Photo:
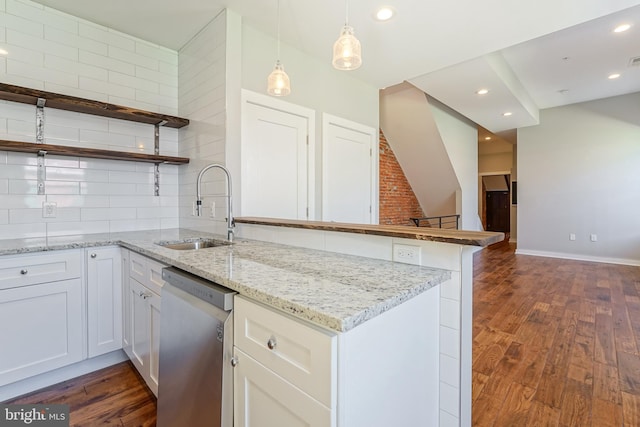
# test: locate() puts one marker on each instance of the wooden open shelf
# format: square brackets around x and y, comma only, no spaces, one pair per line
[87,106]
[28,147]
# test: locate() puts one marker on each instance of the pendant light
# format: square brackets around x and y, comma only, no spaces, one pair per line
[278,81]
[347,53]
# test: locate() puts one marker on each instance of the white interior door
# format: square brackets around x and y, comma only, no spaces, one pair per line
[276,157]
[349,171]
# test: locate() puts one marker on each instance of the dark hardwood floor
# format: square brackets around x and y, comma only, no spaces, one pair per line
[114,396]
[556,343]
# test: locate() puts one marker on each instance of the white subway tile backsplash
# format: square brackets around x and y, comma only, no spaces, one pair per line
[77,227]
[106,62]
[21,80]
[132,58]
[42,45]
[120,40]
[75,91]
[132,82]
[4,216]
[40,73]
[76,174]
[4,186]
[26,55]
[81,201]
[156,52]
[62,64]
[100,214]
[101,188]
[23,186]
[21,24]
[29,216]
[23,171]
[22,201]
[23,231]
[105,87]
[38,13]
[162,76]
[64,37]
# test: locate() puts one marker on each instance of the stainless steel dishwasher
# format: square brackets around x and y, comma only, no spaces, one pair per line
[196,344]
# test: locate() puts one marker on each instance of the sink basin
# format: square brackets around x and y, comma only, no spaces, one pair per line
[191,245]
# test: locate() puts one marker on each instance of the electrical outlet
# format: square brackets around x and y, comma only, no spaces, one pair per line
[49,209]
[409,254]
[594,237]
[213,210]
[572,236]
[194,212]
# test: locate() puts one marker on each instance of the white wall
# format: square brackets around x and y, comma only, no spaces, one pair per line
[460,138]
[409,125]
[53,51]
[315,84]
[202,99]
[579,172]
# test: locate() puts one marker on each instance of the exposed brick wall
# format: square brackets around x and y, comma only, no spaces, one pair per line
[398,202]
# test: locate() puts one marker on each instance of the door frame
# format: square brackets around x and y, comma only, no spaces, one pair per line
[481,196]
[250,97]
[330,120]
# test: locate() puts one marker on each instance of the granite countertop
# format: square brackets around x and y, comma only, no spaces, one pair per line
[333,290]
[459,237]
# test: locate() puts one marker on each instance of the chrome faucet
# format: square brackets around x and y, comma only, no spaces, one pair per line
[230,222]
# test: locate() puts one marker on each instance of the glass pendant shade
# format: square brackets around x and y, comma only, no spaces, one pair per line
[347,53]
[278,81]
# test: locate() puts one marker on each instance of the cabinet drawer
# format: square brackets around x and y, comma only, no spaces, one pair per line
[146,271]
[40,267]
[302,354]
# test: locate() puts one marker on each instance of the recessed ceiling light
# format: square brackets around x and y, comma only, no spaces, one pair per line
[563,91]
[482,91]
[622,28]
[3,52]
[507,114]
[385,13]
[487,138]
[613,76]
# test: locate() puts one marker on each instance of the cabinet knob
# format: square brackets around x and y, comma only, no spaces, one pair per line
[24,271]
[144,295]
[93,255]
[234,361]
[271,343]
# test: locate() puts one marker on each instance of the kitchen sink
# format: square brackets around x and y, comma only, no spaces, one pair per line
[190,245]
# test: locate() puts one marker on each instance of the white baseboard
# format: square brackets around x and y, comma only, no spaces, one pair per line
[579,257]
[59,375]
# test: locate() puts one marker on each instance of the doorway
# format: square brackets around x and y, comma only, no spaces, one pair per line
[497,204]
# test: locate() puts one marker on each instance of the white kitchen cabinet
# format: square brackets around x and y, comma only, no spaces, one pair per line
[265,399]
[126,302]
[384,372]
[42,321]
[104,300]
[286,370]
[143,316]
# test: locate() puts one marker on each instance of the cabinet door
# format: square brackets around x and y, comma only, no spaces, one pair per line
[264,399]
[139,326]
[42,328]
[126,304]
[154,341]
[104,297]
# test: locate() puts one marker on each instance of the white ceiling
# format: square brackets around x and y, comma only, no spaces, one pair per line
[447,48]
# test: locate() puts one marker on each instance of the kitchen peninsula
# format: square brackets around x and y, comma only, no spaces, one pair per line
[402,345]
